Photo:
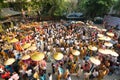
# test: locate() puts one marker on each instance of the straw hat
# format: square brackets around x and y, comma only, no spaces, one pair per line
[58,56]
[95,60]
[37,56]
[9,61]
[75,52]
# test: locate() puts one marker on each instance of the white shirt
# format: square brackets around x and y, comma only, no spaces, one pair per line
[69,78]
[50,77]
[29,72]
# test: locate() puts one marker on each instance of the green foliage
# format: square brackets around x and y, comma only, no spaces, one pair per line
[97,7]
[117,5]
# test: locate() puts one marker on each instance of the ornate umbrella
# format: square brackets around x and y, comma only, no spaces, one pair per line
[103,29]
[100,35]
[108,44]
[105,38]
[110,34]
[37,56]
[113,53]
[93,48]
[26,45]
[25,57]
[95,60]
[58,56]
[9,61]
[75,52]
[105,51]
[32,48]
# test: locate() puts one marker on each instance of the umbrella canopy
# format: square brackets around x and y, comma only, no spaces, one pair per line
[105,38]
[9,61]
[110,34]
[14,40]
[58,56]
[32,48]
[105,51]
[108,44]
[75,52]
[26,45]
[95,60]
[93,48]
[113,53]
[25,57]
[37,56]
[103,30]
[100,35]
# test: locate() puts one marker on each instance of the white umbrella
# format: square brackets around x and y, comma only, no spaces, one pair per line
[108,44]
[76,52]
[93,48]
[95,60]
[9,61]
[100,35]
[113,53]
[110,34]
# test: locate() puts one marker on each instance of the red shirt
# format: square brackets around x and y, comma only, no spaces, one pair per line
[6,75]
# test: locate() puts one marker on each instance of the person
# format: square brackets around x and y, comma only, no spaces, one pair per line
[66,73]
[73,67]
[49,76]
[80,70]
[69,77]
[5,75]
[14,76]
[29,74]
[53,68]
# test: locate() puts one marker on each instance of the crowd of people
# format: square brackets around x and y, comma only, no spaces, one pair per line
[77,49]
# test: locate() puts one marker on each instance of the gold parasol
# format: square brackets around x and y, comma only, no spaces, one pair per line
[32,48]
[14,40]
[25,57]
[95,60]
[110,34]
[93,48]
[75,52]
[9,61]
[26,45]
[58,56]
[100,35]
[108,44]
[37,56]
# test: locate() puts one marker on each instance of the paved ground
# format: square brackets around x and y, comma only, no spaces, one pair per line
[111,77]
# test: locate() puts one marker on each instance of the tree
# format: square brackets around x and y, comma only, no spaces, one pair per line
[98,7]
[117,6]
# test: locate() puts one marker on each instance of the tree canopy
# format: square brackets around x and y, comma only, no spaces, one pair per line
[91,8]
